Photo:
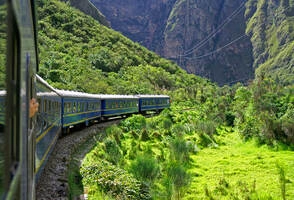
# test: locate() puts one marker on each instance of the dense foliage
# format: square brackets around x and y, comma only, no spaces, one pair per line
[265,110]
[78,53]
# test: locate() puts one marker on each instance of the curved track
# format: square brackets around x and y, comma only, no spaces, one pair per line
[53,183]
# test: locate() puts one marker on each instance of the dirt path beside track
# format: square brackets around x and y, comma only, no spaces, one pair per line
[53,183]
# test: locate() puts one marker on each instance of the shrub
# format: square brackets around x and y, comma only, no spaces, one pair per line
[179,150]
[113,151]
[145,168]
[178,178]
[114,181]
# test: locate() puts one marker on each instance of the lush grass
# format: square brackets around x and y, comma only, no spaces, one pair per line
[238,170]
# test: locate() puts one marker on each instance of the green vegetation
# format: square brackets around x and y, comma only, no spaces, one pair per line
[177,161]
[213,143]
[77,53]
[229,143]
[238,170]
[271,27]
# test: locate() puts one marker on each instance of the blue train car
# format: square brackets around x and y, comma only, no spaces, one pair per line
[47,125]
[153,103]
[79,108]
[118,105]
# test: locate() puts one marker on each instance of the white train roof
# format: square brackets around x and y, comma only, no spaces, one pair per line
[114,96]
[51,94]
[68,93]
[2,92]
[152,96]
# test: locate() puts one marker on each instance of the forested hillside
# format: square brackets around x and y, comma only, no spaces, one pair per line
[78,53]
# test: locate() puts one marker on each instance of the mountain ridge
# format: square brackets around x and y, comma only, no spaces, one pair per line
[164,22]
[224,37]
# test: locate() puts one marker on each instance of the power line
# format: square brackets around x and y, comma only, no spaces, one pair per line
[218,29]
[217,50]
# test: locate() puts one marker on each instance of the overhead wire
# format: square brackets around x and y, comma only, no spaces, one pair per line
[214,33]
[217,50]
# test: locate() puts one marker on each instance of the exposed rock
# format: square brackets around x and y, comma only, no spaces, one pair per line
[173,27]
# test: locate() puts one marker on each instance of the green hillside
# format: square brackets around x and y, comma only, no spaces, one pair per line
[271,27]
[78,53]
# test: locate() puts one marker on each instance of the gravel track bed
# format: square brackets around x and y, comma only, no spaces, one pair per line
[53,181]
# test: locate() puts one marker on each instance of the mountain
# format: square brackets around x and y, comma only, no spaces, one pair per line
[223,40]
[270,25]
[196,34]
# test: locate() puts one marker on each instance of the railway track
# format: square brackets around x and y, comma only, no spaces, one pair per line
[53,183]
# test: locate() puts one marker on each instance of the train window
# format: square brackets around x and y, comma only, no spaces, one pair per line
[69,108]
[78,106]
[83,106]
[65,109]
[74,107]
[45,105]
[49,106]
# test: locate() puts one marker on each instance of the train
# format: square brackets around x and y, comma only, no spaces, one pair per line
[26,141]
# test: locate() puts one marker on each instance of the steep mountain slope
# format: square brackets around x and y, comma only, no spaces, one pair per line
[207,38]
[173,27]
[224,40]
[271,28]
[142,21]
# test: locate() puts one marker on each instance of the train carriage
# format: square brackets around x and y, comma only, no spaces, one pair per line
[79,108]
[118,105]
[47,126]
[153,103]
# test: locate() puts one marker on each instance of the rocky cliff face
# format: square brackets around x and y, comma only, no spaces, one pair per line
[270,25]
[206,38]
[223,40]
[140,20]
